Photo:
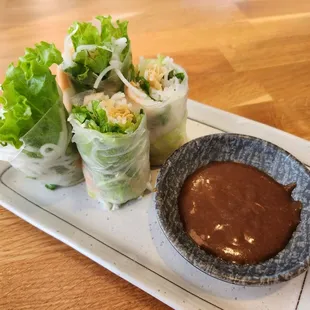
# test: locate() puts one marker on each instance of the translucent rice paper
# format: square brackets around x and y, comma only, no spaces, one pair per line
[116,166]
[166,121]
[47,153]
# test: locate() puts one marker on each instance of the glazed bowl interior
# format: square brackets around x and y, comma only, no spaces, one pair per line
[280,165]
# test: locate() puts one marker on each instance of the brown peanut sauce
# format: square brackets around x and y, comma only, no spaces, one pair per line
[238,212]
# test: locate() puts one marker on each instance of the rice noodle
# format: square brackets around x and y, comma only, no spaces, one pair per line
[67,45]
[117,47]
[102,74]
[90,47]
[96,22]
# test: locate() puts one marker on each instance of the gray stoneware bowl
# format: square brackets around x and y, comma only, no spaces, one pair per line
[282,166]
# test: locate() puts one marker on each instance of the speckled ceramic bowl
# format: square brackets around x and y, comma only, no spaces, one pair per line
[276,162]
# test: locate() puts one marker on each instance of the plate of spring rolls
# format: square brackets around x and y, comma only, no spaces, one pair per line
[125,117]
[75,146]
[119,118]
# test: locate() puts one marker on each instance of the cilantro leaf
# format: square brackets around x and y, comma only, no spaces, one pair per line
[180,76]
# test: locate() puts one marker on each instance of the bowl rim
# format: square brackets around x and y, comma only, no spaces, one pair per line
[295,271]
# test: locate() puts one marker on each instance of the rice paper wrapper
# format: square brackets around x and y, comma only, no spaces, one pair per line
[47,153]
[166,122]
[111,85]
[163,146]
[116,166]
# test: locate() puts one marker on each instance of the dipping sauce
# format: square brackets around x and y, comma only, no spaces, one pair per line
[238,212]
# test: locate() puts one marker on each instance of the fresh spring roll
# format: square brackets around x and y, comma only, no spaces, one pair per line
[35,137]
[92,50]
[114,144]
[160,87]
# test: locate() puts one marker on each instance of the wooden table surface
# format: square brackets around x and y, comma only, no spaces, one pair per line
[249,57]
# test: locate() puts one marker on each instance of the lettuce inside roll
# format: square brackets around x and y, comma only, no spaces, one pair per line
[114,144]
[34,134]
[92,50]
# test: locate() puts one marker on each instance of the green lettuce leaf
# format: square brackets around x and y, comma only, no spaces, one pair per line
[86,34]
[108,31]
[38,60]
[86,63]
[29,91]
[94,60]
[95,118]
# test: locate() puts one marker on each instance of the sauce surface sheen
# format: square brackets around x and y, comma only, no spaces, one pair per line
[238,212]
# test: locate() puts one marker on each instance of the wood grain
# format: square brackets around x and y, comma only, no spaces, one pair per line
[251,58]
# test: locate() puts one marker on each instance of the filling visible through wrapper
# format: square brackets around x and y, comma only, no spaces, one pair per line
[35,137]
[92,50]
[160,79]
[160,87]
[114,144]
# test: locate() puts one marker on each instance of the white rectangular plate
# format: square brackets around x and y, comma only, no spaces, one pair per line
[140,253]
